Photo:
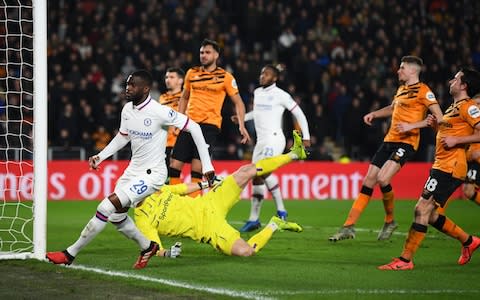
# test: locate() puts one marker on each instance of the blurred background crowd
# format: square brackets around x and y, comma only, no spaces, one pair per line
[340,60]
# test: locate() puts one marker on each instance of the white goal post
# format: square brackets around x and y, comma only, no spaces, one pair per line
[23,128]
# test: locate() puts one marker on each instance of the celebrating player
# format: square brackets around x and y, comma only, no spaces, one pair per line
[203,95]
[269,104]
[166,213]
[143,123]
[408,110]
[459,127]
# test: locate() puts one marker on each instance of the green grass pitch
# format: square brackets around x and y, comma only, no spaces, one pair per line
[291,266]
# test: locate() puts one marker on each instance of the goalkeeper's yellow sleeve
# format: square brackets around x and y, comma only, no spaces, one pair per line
[146,227]
[179,189]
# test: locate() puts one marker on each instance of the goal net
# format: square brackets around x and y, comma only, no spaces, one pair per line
[23,132]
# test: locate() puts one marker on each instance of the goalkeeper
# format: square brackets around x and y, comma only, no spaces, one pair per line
[169,213]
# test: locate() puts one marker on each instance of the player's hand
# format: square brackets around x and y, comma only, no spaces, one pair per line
[307,143]
[432,121]
[234,119]
[94,161]
[449,141]
[245,136]
[210,176]
[205,185]
[368,118]
[404,127]
[174,251]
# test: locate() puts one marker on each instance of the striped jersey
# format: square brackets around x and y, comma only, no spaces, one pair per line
[170,100]
[410,105]
[459,120]
[207,94]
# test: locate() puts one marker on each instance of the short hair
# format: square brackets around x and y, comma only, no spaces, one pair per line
[471,78]
[275,70]
[411,59]
[179,71]
[212,43]
[145,76]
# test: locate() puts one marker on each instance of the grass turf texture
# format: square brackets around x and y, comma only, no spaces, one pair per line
[291,266]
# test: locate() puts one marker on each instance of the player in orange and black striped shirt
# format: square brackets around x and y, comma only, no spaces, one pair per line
[472,182]
[459,127]
[408,111]
[173,82]
[202,99]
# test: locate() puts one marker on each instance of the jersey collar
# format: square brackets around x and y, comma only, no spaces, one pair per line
[143,104]
[270,87]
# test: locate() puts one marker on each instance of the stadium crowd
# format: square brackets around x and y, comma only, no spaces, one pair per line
[340,60]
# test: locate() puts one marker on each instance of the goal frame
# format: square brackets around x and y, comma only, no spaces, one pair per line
[40,135]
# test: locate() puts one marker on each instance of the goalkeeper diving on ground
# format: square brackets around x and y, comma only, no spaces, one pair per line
[169,212]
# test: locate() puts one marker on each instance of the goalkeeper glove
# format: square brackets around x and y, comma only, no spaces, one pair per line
[174,251]
[205,184]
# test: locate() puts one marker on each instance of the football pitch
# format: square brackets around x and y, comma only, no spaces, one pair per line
[291,266]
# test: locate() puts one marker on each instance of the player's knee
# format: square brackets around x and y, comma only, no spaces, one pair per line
[468,190]
[249,170]
[117,218]
[175,173]
[106,208]
[245,251]
[383,180]
[196,175]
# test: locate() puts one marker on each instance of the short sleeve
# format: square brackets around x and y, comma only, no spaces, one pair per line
[230,84]
[186,81]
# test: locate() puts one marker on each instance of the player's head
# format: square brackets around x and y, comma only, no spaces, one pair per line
[466,80]
[174,79]
[209,53]
[268,75]
[410,68]
[138,86]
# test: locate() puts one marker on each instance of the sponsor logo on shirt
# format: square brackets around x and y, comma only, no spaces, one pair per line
[140,134]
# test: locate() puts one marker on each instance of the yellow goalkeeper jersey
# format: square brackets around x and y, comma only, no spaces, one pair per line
[167,212]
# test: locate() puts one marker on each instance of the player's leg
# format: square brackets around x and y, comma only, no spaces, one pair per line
[106,208]
[258,192]
[400,153]
[181,154]
[210,133]
[470,188]
[277,144]
[347,231]
[196,176]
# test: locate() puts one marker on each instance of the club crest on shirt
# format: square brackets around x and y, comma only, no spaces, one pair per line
[147,122]
[474,111]
[172,114]
[430,96]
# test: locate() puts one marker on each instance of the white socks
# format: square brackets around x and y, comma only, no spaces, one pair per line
[258,192]
[274,189]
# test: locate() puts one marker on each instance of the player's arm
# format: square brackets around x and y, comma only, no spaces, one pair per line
[183,101]
[452,141]
[202,148]
[240,113]
[117,143]
[302,122]
[380,113]
[185,97]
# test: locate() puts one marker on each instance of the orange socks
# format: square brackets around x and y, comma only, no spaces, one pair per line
[447,226]
[388,202]
[358,206]
[414,239]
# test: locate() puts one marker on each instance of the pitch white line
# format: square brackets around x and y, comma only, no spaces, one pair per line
[169,282]
[272,294]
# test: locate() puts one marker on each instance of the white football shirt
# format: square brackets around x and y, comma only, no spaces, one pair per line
[146,125]
[269,104]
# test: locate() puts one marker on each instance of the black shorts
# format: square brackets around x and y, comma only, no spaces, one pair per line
[473,174]
[185,149]
[398,152]
[441,186]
